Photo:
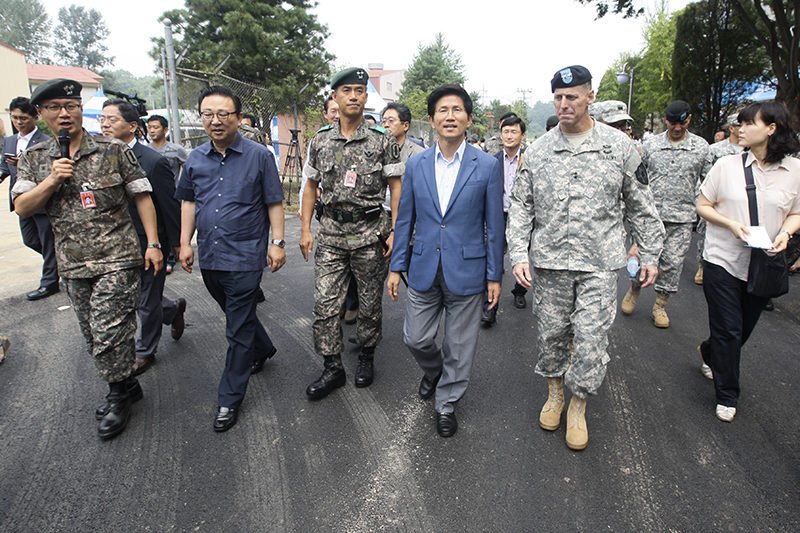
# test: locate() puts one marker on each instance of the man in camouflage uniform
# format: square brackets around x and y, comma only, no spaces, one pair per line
[354,161]
[729,146]
[573,183]
[677,162]
[97,249]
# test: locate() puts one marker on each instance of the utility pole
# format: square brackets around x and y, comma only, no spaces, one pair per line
[524,93]
[172,86]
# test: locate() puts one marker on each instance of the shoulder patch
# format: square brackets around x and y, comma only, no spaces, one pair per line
[131,157]
[641,174]
[380,128]
[326,127]
[395,148]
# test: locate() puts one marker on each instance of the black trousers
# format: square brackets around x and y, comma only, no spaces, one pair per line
[732,315]
[37,234]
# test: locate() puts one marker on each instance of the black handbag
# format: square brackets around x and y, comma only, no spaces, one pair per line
[768,275]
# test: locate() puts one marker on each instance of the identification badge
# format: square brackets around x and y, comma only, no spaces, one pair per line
[87,197]
[350,178]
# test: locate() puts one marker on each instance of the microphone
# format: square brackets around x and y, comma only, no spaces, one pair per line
[63,141]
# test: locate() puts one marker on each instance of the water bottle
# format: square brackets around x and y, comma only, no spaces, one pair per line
[633,266]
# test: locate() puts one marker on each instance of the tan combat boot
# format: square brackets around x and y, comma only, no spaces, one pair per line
[577,434]
[660,317]
[629,302]
[698,278]
[550,417]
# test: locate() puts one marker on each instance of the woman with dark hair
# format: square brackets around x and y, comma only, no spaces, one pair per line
[770,140]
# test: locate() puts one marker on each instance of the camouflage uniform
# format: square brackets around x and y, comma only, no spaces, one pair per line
[249,132]
[343,247]
[717,150]
[675,172]
[97,249]
[576,196]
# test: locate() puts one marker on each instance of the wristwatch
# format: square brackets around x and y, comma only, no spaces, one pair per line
[279,242]
[154,245]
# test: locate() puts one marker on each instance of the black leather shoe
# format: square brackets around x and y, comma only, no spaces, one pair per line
[519,301]
[331,379]
[258,364]
[42,292]
[260,296]
[365,371]
[118,413]
[226,419]
[489,318]
[770,306]
[134,391]
[140,366]
[446,424]
[178,323]
[428,386]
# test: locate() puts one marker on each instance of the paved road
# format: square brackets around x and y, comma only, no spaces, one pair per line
[367,460]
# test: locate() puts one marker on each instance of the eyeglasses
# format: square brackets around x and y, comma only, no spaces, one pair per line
[389,121]
[110,120]
[208,116]
[55,108]
[21,118]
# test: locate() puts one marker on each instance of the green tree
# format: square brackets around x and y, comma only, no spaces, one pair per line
[653,76]
[150,88]
[434,65]
[611,89]
[720,61]
[275,43]
[537,118]
[24,24]
[80,35]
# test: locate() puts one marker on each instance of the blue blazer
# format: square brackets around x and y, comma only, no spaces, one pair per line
[454,238]
[10,147]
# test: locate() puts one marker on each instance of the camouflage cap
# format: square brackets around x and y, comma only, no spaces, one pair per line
[56,88]
[350,76]
[610,111]
[733,120]
[572,76]
[678,111]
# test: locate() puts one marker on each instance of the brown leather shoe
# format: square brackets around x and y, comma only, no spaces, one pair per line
[177,323]
[350,316]
[140,366]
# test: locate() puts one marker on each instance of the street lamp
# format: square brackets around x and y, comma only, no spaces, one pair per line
[623,78]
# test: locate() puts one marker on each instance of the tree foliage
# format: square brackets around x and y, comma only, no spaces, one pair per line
[150,88]
[434,65]
[80,34]
[275,43]
[611,89]
[24,24]
[719,60]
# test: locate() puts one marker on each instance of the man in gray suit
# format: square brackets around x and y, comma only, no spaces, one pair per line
[37,234]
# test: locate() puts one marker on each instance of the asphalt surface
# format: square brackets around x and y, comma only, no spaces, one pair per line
[365,460]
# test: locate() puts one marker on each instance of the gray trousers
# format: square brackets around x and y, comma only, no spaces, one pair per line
[461,326]
[677,239]
[154,310]
[37,234]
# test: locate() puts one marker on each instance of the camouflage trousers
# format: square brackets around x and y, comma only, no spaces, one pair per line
[677,239]
[583,304]
[701,238]
[332,267]
[106,308]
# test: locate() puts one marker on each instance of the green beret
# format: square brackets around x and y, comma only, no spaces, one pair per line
[56,88]
[350,76]
[570,77]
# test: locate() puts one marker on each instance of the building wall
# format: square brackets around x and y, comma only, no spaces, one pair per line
[86,93]
[13,83]
[389,84]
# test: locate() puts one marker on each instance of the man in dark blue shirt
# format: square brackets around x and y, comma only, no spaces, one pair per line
[232,194]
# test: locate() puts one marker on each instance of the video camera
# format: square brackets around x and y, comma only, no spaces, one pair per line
[135,101]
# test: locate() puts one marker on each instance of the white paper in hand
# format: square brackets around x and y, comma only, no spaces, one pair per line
[758,238]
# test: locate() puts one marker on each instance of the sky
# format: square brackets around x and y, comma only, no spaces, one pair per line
[506,46]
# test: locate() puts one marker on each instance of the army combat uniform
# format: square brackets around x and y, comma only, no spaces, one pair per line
[354,175]
[97,248]
[675,171]
[576,195]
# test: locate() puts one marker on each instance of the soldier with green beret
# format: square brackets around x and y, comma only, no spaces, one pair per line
[86,196]
[354,161]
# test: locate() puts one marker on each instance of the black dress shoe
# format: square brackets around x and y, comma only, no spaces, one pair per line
[134,391]
[489,317]
[140,366]
[178,324]
[446,424]
[519,301]
[331,379]
[42,292]
[118,413]
[260,296]
[258,364]
[226,418]
[365,371]
[770,306]
[428,386]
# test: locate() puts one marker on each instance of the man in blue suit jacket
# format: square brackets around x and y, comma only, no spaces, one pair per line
[37,234]
[451,192]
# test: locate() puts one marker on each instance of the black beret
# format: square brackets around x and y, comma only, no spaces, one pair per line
[551,122]
[678,111]
[570,77]
[350,76]
[56,88]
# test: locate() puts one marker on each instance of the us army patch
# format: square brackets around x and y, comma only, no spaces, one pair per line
[131,157]
[395,151]
[641,174]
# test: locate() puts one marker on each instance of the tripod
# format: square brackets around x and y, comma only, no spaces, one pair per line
[292,165]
